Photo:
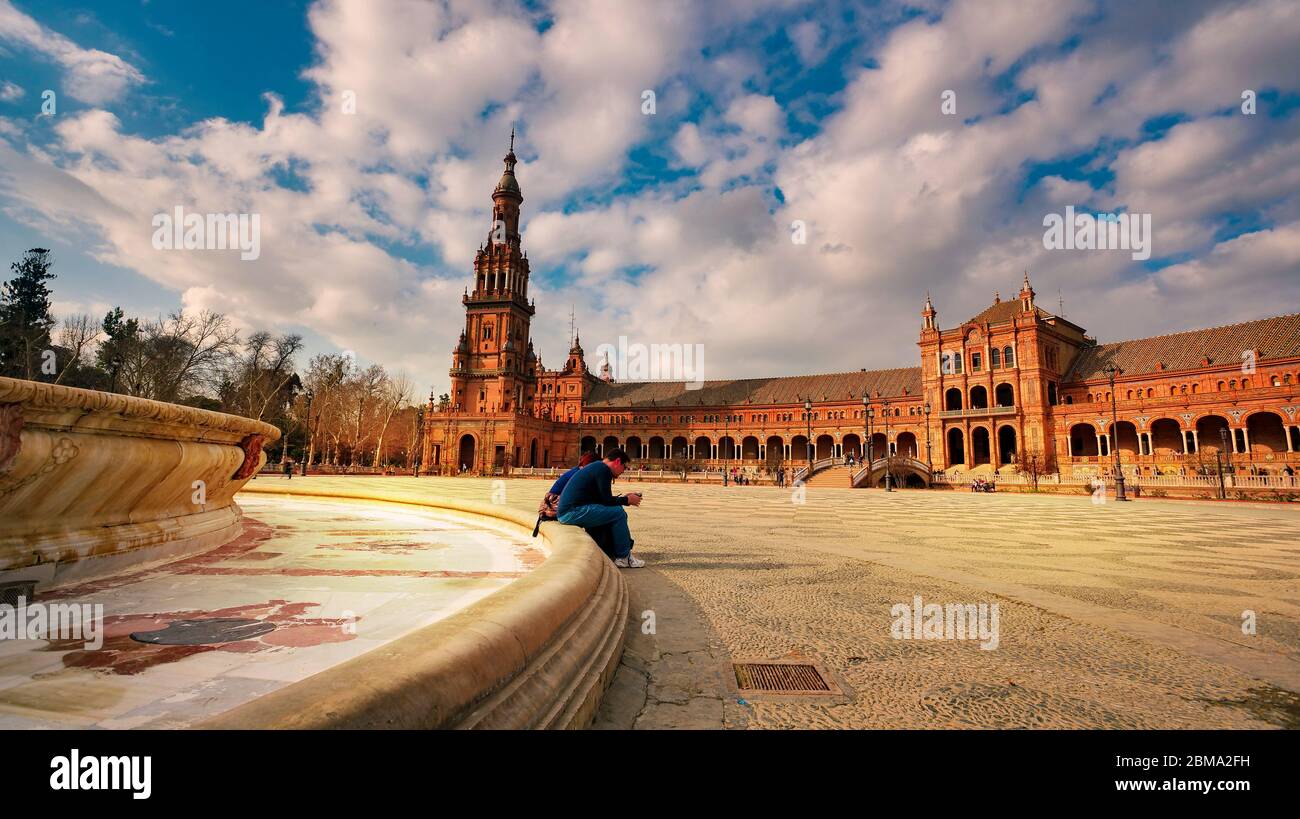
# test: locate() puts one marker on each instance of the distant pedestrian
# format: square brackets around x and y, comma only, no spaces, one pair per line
[288,468]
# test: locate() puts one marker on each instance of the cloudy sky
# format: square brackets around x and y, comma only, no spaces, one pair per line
[671,227]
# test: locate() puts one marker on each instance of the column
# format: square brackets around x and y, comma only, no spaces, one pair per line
[1245,437]
[1289,430]
[1196,441]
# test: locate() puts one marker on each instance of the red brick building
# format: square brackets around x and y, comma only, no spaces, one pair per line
[1012,383]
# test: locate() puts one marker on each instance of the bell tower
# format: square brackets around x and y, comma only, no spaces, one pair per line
[493,366]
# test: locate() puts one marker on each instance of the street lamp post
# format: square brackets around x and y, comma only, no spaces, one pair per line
[1111,371]
[726,462]
[807,414]
[928,465]
[306,455]
[871,436]
[419,443]
[866,430]
[889,481]
[1225,435]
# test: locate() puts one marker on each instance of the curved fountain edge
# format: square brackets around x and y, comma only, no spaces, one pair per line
[538,653]
[92,483]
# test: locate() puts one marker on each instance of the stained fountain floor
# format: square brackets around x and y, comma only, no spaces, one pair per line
[335,579]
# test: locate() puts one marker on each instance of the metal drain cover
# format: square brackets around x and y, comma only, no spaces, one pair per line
[205,632]
[781,678]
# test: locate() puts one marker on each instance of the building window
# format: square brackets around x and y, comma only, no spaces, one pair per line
[976,361]
[1008,357]
[1051,393]
[995,358]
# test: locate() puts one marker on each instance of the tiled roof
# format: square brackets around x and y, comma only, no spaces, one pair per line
[1004,311]
[784,390]
[1277,337]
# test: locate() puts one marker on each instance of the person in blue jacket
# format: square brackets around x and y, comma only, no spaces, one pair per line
[587,500]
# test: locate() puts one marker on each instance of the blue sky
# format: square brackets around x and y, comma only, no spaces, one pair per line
[673,227]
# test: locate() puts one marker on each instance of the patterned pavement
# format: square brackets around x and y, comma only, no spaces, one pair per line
[1111,615]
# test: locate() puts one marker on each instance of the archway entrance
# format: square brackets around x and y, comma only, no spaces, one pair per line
[465,455]
[1007,446]
[905,444]
[825,446]
[956,447]
[979,446]
[1083,441]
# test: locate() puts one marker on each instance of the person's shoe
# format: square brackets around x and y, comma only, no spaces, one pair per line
[628,562]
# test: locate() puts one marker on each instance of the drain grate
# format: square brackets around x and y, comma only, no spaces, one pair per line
[11,592]
[780,678]
[204,632]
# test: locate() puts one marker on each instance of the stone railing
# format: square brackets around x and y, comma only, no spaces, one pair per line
[91,482]
[977,412]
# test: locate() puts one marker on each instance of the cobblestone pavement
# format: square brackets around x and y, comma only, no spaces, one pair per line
[1112,615]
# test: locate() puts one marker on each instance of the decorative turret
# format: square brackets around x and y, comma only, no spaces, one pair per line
[929,315]
[1027,296]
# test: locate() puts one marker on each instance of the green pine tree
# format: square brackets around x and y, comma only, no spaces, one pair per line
[25,320]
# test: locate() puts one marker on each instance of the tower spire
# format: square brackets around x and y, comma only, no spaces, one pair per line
[1026,296]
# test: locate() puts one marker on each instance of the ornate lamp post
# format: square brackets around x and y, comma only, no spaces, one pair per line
[1111,371]
[889,481]
[807,414]
[419,443]
[1226,435]
[726,462]
[871,438]
[306,455]
[928,465]
[866,429]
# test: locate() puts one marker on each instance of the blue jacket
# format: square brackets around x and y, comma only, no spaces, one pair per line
[590,485]
[560,482]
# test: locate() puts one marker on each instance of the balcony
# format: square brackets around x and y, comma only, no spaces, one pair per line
[979,412]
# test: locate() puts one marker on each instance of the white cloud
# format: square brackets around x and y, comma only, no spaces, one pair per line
[897,197]
[91,76]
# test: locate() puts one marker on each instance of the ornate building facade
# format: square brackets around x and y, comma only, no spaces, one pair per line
[1008,385]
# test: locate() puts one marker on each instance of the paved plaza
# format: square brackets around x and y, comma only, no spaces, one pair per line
[1114,615]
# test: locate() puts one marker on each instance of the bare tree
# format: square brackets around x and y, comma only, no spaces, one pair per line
[1034,464]
[397,394]
[77,334]
[263,370]
[181,355]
